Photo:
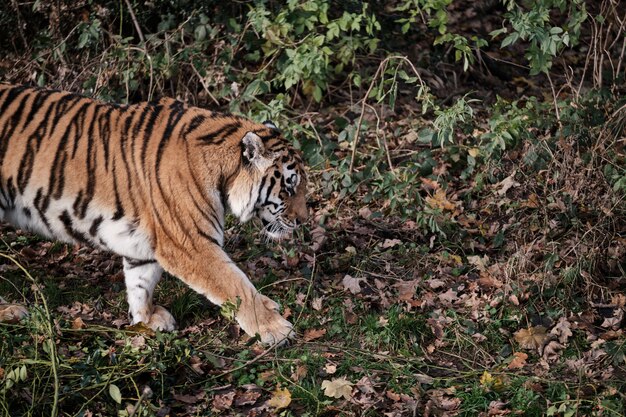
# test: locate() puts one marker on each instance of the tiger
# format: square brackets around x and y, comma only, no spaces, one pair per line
[151,182]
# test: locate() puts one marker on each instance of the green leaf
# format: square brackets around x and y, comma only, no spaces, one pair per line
[115,393]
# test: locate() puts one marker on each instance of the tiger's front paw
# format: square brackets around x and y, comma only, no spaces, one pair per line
[161,319]
[264,319]
[12,313]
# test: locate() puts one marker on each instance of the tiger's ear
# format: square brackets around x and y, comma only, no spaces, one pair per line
[254,149]
[271,125]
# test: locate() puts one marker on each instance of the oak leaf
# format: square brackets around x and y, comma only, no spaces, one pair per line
[313,334]
[519,360]
[337,388]
[562,330]
[552,351]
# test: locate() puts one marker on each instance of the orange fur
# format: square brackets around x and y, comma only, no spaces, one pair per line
[76,169]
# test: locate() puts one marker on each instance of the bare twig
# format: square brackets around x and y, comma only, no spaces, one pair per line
[135,22]
[380,70]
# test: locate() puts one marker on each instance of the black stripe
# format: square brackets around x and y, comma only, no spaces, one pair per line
[69,229]
[218,136]
[93,230]
[206,236]
[134,263]
[147,134]
[196,121]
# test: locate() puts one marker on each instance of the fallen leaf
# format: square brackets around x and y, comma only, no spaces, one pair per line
[299,373]
[506,184]
[78,323]
[486,379]
[390,243]
[313,334]
[352,284]
[247,398]
[330,368]
[449,296]
[552,351]
[440,201]
[337,388]
[518,361]
[138,341]
[12,313]
[562,330]
[480,262]
[531,338]
[318,237]
[406,289]
[365,385]
[220,402]
[281,398]
[195,398]
[316,303]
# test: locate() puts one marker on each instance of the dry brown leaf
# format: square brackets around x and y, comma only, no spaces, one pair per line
[247,397]
[337,388]
[316,303]
[299,373]
[392,395]
[531,338]
[352,284]
[223,401]
[519,360]
[496,408]
[390,243]
[440,201]
[480,262]
[552,351]
[191,399]
[506,184]
[12,313]
[313,334]
[562,330]
[614,323]
[449,296]
[406,289]
[365,385]
[330,368]
[281,398]
[78,323]
[318,236]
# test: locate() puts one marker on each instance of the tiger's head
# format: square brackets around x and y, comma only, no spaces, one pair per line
[274,182]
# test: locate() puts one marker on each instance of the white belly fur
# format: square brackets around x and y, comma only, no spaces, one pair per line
[119,236]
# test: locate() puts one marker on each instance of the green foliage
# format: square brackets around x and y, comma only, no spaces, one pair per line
[532,23]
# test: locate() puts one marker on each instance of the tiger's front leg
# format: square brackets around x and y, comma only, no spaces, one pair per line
[213,274]
[141,277]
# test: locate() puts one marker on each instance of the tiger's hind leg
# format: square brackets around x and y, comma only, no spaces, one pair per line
[141,277]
